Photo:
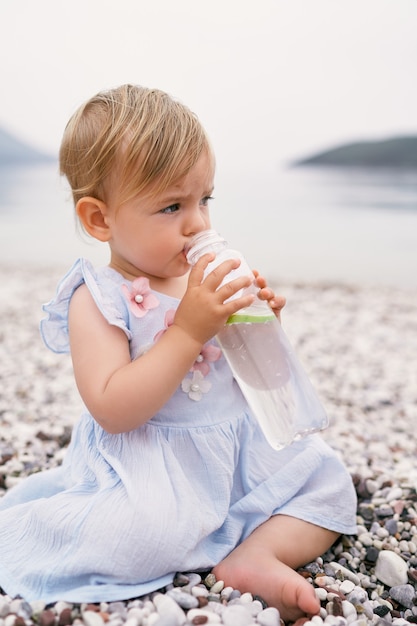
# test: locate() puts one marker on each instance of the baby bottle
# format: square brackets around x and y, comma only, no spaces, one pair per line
[262,360]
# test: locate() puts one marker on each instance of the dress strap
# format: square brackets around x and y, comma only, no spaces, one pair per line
[106,295]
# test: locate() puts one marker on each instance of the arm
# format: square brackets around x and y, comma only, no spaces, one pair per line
[122,394]
[276,303]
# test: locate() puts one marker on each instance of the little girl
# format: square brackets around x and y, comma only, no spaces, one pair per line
[167,469]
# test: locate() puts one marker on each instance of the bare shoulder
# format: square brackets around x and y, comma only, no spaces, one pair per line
[82,303]
[84,314]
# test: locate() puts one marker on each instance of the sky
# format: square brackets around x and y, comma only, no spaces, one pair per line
[271,80]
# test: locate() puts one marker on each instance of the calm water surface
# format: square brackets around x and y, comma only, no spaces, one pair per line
[354,226]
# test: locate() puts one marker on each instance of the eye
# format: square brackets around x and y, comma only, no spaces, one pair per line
[172,208]
[206,200]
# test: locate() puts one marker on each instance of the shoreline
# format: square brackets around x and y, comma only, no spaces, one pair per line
[359,347]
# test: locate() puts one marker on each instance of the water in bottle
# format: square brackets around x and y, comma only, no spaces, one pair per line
[262,360]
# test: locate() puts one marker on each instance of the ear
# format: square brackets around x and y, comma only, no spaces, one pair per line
[93,217]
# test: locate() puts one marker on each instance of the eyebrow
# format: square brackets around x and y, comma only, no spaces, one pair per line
[172,198]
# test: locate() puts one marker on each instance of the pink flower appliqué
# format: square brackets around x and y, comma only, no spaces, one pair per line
[195,386]
[168,321]
[140,297]
[208,354]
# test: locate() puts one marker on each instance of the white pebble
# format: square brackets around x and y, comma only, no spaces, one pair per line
[382,532]
[92,618]
[371,486]
[166,605]
[236,614]
[386,603]
[403,546]
[217,587]
[213,618]
[321,594]
[60,606]
[348,609]
[324,581]
[255,608]
[359,622]
[226,592]
[347,586]
[199,591]
[37,606]
[366,539]
[322,613]
[391,569]
[245,598]
[345,571]
[148,608]
[269,617]
[135,613]
[134,620]
[152,618]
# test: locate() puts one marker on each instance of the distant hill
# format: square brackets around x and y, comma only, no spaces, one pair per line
[396,152]
[16,152]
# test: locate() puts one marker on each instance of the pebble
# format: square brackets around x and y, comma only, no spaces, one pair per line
[217,587]
[203,616]
[168,608]
[372,402]
[345,572]
[347,586]
[237,614]
[404,594]
[269,617]
[183,599]
[391,569]
[90,618]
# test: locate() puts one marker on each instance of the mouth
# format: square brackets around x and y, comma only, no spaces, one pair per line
[185,252]
[187,247]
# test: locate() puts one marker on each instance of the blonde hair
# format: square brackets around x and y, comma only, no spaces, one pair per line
[131,136]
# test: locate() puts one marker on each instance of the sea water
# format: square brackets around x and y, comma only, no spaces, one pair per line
[357,227]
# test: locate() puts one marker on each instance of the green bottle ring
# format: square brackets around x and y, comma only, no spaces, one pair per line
[242,318]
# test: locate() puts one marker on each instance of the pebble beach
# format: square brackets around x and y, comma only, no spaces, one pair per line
[359,347]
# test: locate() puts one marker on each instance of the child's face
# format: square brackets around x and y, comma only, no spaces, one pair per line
[148,234]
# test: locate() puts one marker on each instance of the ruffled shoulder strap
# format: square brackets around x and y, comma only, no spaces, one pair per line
[106,295]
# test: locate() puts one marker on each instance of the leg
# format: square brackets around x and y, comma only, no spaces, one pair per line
[264,564]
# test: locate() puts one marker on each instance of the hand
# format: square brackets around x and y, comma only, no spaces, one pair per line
[203,311]
[276,303]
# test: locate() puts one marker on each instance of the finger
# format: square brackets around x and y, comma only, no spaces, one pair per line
[260,280]
[197,271]
[265,293]
[233,287]
[277,303]
[236,304]
[214,279]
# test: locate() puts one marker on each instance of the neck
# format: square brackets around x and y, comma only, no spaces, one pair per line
[174,286]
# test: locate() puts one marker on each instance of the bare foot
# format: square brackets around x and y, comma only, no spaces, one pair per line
[276,583]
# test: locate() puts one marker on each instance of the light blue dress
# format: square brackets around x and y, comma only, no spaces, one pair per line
[125,512]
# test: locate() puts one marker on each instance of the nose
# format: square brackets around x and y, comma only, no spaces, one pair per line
[196,220]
